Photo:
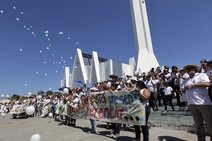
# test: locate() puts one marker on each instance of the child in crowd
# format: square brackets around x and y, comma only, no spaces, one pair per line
[168,96]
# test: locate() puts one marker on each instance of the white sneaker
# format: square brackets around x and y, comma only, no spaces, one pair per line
[165,112]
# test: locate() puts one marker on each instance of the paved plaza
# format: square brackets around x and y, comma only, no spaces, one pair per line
[51,130]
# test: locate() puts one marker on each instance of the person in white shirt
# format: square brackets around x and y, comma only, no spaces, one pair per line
[74,103]
[144,98]
[196,87]
[182,76]
[151,86]
[168,91]
[175,84]
[202,63]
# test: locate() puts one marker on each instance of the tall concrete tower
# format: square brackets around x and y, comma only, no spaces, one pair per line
[145,55]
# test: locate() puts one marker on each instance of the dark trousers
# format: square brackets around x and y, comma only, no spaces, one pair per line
[67,119]
[162,95]
[152,100]
[168,99]
[145,128]
[53,112]
[73,120]
[176,89]
[116,128]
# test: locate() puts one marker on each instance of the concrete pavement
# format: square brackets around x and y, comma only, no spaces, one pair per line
[50,130]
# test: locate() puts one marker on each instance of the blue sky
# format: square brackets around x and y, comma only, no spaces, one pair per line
[180,29]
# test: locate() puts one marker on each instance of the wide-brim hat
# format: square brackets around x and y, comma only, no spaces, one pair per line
[209,62]
[94,89]
[133,78]
[191,66]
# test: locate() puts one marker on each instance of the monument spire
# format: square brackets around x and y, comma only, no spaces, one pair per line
[145,55]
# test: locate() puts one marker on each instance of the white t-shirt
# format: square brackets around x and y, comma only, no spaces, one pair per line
[168,90]
[150,85]
[75,100]
[109,84]
[46,101]
[181,81]
[168,75]
[144,102]
[175,80]
[197,96]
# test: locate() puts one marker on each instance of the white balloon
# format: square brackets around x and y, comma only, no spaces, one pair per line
[30,110]
[50,45]
[62,66]
[24,26]
[69,38]
[53,62]
[2,11]
[17,19]
[60,33]
[48,39]
[41,51]
[64,61]
[70,57]
[52,54]
[7,96]
[50,115]
[46,32]
[30,26]
[61,57]
[3,115]
[65,90]
[44,62]
[22,13]
[45,74]
[25,85]
[29,93]
[46,35]
[27,28]
[47,47]
[59,62]
[56,71]
[14,7]
[21,49]
[77,43]
[36,72]
[2,95]
[35,137]
[32,32]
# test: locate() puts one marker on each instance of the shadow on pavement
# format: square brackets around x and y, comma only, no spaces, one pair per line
[168,138]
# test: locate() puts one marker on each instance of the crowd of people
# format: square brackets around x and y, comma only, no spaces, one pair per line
[189,86]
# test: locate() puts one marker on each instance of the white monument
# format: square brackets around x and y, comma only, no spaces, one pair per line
[145,55]
[92,69]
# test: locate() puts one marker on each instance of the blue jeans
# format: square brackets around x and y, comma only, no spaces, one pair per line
[145,128]
[93,125]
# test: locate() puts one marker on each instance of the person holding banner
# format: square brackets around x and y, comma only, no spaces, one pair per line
[116,126]
[144,98]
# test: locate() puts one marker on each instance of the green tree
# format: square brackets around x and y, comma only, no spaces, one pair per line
[49,92]
[40,92]
[14,96]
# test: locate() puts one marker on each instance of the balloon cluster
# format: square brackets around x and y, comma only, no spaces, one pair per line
[19,18]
